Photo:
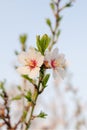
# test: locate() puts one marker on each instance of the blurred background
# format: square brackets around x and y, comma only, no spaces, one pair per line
[19,17]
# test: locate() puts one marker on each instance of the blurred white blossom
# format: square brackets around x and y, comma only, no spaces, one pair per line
[57,62]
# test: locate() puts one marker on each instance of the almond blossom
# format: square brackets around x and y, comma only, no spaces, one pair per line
[55,61]
[31,61]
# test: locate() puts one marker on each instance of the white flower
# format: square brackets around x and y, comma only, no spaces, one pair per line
[56,61]
[31,61]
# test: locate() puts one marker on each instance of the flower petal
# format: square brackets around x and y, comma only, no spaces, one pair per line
[40,60]
[22,57]
[54,53]
[47,56]
[26,57]
[61,58]
[23,70]
[55,73]
[34,73]
[61,72]
[31,53]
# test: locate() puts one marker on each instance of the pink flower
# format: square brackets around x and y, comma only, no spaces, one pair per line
[31,61]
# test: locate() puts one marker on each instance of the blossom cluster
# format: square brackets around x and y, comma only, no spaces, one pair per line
[33,60]
[34,64]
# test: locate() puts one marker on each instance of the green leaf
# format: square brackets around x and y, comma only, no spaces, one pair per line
[58,33]
[19,88]
[2,85]
[68,4]
[59,18]
[48,22]
[27,78]
[52,6]
[18,97]
[45,40]
[28,96]
[45,80]
[42,115]
[1,95]
[38,43]
[42,43]
[16,52]
[23,38]
[24,115]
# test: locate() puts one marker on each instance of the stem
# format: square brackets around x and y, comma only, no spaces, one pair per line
[7,108]
[56,13]
[32,110]
[54,31]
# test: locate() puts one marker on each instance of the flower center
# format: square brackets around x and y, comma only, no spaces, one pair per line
[53,63]
[32,64]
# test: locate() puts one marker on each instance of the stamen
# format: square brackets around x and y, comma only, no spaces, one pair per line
[32,64]
[53,63]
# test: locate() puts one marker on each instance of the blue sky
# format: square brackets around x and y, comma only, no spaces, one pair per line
[25,16]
